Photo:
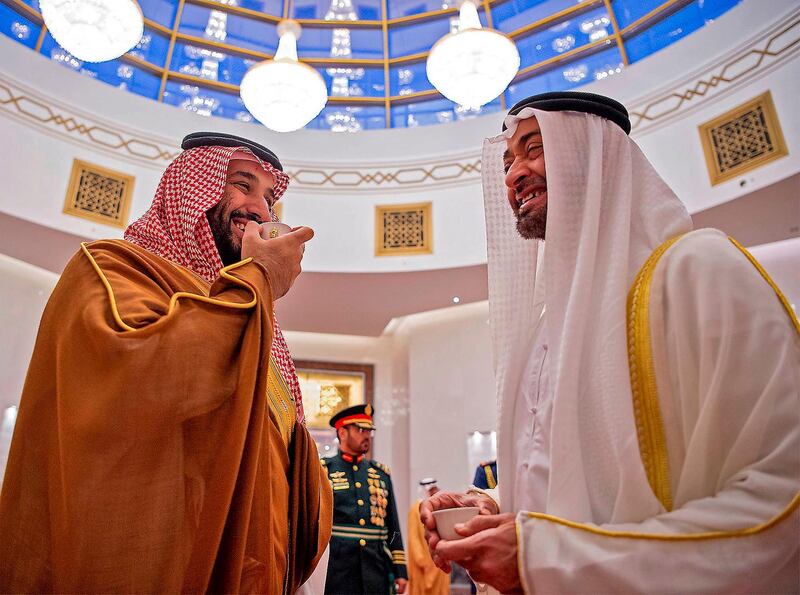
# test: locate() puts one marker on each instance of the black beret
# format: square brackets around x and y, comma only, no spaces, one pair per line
[220,139]
[577,101]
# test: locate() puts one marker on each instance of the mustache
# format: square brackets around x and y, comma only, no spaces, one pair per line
[530,185]
[245,215]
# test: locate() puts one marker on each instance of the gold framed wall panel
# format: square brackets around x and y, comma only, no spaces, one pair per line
[329,387]
[404,229]
[99,194]
[742,139]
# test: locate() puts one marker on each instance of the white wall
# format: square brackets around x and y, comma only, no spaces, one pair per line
[781,260]
[23,295]
[452,391]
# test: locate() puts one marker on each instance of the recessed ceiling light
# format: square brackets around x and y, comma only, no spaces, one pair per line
[456,299]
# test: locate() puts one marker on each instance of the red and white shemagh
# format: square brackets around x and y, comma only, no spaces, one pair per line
[175,227]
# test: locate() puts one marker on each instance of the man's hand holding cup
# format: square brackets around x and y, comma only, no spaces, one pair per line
[445,500]
[280,253]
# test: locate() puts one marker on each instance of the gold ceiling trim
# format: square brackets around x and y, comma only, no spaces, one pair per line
[401,177]
[659,13]
[617,34]
[170,50]
[321,23]
[773,46]
[36,111]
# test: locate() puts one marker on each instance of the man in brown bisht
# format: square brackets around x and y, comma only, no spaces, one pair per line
[160,444]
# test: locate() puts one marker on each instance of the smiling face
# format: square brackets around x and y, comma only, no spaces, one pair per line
[526,179]
[248,196]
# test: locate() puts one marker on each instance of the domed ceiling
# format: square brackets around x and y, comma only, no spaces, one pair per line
[371,53]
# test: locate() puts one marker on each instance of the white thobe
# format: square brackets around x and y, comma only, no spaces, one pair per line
[727,362]
[532,418]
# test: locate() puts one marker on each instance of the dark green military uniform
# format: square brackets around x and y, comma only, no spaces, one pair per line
[366,550]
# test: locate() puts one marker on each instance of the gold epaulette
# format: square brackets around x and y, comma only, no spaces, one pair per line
[382,467]
[323,462]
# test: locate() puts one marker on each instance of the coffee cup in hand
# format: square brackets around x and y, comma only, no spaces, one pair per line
[447,518]
[273,229]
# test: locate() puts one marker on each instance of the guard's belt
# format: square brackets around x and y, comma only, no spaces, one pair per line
[359,532]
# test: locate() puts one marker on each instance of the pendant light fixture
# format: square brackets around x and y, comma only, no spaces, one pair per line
[94,30]
[284,94]
[473,65]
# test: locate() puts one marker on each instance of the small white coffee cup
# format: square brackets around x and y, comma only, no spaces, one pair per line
[447,518]
[273,229]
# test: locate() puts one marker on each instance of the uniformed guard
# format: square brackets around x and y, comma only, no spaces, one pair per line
[366,550]
[486,476]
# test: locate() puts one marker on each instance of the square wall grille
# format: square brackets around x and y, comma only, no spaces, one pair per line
[403,229]
[742,139]
[99,194]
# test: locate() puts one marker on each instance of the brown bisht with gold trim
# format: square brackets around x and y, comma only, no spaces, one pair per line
[153,451]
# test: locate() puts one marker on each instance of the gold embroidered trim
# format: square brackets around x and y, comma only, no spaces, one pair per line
[646,410]
[523,579]
[178,295]
[640,358]
[280,402]
[768,279]
[747,532]
[490,480]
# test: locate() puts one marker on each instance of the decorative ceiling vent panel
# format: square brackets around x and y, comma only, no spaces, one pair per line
[403,229]
[99,194]
[742,139]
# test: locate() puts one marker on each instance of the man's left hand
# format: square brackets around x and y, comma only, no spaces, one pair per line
[400,585]
[488,551]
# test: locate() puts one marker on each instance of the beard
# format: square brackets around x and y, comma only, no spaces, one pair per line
[229,247]
[532,225]
[359,446]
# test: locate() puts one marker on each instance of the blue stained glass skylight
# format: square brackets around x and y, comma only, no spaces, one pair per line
[160,11]
[371,53]
[19,28]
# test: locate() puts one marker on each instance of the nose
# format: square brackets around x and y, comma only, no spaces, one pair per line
[258,207]
[516,174]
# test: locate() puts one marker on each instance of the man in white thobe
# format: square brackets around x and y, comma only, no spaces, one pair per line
[648,379]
